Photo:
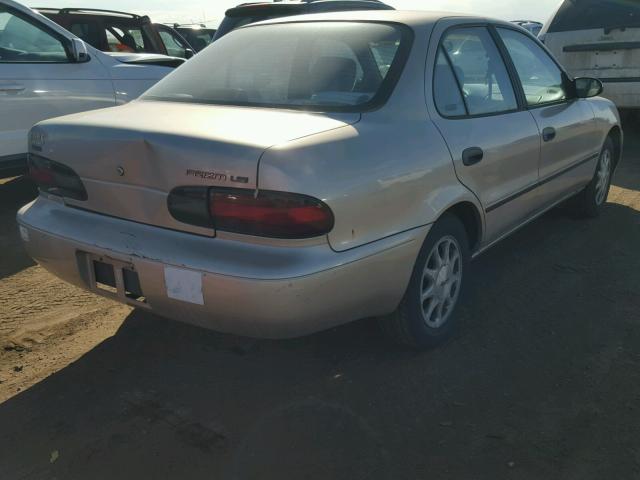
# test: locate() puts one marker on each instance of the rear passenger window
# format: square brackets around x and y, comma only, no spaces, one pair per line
[445,89]
[478,67]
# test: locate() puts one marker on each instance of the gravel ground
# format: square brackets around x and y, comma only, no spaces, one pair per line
[541,382]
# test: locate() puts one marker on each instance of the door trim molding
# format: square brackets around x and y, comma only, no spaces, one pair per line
[539,183]
[528,220]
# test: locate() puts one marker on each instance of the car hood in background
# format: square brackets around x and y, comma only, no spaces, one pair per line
[147,59]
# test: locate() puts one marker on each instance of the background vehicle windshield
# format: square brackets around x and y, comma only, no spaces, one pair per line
[198,38]
[319,65]
[596,14]
[125,38]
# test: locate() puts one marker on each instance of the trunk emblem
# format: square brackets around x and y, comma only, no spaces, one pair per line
[219,177]
[120,171]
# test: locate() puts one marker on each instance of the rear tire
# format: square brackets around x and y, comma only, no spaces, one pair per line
[426,316]
[588,203]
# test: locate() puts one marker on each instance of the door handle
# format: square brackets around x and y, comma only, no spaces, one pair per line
[11,87]
[548,134]
[472,156]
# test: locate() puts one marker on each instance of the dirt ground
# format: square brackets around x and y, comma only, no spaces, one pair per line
[542,382]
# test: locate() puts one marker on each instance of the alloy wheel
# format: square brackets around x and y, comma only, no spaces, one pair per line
[603,176]
[441,281]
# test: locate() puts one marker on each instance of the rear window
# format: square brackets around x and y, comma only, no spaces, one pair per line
[323,66]
[596,14]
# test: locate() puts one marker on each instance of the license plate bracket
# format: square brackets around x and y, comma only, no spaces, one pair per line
[114,278]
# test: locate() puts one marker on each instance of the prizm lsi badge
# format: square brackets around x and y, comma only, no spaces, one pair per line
[219,177]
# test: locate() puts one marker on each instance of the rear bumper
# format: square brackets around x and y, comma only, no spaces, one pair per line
[249,289]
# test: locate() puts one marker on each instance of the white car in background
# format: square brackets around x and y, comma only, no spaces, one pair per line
[600,39]
[46,71]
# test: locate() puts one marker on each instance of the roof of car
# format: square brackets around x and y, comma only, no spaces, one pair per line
[407,17]
[280,3]
[88,11]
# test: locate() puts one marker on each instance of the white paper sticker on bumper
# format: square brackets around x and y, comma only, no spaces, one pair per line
[24,233]
[184,285]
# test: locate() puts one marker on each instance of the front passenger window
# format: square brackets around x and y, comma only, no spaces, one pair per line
[23,42]
[480,71]
[540,76]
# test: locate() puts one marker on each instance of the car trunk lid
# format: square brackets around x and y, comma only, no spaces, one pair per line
[130,157]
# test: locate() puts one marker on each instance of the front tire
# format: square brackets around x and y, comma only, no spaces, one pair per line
[426,316]
[589,202]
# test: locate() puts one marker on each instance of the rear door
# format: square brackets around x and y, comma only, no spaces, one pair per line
[38,80]
[493,140]
[569,136]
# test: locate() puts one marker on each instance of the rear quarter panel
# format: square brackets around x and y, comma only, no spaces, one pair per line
[379,176]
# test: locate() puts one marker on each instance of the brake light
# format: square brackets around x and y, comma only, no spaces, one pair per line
[55,178]
[269,214]
[265,214]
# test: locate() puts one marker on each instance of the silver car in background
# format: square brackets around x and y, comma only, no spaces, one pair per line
[303,173]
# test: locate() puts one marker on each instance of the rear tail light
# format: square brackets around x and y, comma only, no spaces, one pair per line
[264,214]
[55,178]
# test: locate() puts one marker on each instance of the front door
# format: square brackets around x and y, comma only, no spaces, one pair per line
[570,141]
[494,141]
[38,79]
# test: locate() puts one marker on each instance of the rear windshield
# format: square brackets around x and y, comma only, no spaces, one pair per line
[324,66]
[596,14]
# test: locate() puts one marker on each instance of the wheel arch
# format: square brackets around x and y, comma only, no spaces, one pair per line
[615,134]
[469,214]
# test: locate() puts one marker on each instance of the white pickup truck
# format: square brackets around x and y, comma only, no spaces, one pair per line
[46,71]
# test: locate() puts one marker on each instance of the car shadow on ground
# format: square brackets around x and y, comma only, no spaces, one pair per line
[14,193]
[549,330]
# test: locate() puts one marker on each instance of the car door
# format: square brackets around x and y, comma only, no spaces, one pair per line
[493,140]
[570,142]
[39,80]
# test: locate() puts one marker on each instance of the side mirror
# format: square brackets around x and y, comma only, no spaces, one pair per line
[79,51]
[587,87]
[188,53]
